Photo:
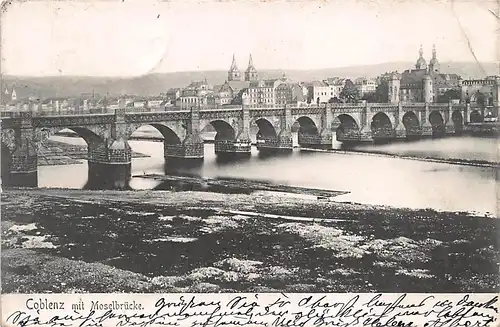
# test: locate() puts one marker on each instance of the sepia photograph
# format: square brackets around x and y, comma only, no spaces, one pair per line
[249,147]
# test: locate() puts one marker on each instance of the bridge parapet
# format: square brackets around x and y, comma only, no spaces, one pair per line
[413,107]
[383,107]
[438,105]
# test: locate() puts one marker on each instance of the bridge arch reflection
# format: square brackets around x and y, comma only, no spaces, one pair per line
[458,121]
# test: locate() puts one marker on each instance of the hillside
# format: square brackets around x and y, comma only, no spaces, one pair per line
[153,84]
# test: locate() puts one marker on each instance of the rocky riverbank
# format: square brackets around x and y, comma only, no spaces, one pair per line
[152,241]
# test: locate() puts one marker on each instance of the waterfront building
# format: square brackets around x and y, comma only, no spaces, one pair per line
[318,92]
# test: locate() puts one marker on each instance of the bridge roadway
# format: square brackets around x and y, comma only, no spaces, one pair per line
[109,154]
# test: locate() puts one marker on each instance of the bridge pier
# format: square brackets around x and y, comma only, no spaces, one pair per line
[23,168]
[230,148]
[400,131]
[22,162]
[192,147]
[282,143]
[110,158]
[109,165]
[449,128]
[241,146]
[322,141]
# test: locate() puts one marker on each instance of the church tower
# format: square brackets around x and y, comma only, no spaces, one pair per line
[428,88]
[393,87]
[421,64]
[234,73]
[251,72]
[434,63]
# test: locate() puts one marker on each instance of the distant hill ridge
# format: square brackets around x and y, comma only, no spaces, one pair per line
[154,84]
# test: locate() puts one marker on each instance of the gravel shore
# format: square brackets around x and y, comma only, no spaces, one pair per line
[158,241]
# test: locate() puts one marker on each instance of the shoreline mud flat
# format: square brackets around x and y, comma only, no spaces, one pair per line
[244,186]
[57,240]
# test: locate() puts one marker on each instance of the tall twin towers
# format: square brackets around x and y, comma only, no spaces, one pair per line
[234,73]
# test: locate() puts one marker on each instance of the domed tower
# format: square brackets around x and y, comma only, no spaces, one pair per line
[421,64]
[428,93]
[434,63]
[251,72]
[234,73]
[393,86]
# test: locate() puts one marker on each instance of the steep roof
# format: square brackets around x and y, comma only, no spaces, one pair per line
[412,77]
[238,85]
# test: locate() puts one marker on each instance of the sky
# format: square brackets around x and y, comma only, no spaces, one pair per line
[130,38]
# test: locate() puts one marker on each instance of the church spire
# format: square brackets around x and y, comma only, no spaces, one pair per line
[421,64]
[234,73]
[251,72]
[434,63]
[233,64]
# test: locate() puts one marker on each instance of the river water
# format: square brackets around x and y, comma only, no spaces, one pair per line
[370,179]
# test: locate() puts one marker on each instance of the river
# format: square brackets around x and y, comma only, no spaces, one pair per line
[370,179]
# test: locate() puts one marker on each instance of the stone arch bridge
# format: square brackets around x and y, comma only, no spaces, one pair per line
[109,154]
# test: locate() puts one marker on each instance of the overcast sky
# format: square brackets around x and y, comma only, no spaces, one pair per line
[116,38]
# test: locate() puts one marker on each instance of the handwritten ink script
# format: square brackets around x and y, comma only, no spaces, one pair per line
[279,310]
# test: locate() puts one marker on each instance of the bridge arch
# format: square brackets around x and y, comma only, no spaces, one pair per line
[412,125]
[346,128]
[170,136]
[91,135]
[437,122]
[307,126]
[308,132]
[475,117]
[224,130]
[458,121]
[381,126]
[266,129]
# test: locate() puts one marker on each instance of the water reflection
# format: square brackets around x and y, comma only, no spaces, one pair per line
[370,179]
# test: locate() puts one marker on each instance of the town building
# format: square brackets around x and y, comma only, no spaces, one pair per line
[262,93]
[336,85]
[318,92]
[290,93]
[425,83]
[365,85]
[481,91]
[223,94]
[173,94]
